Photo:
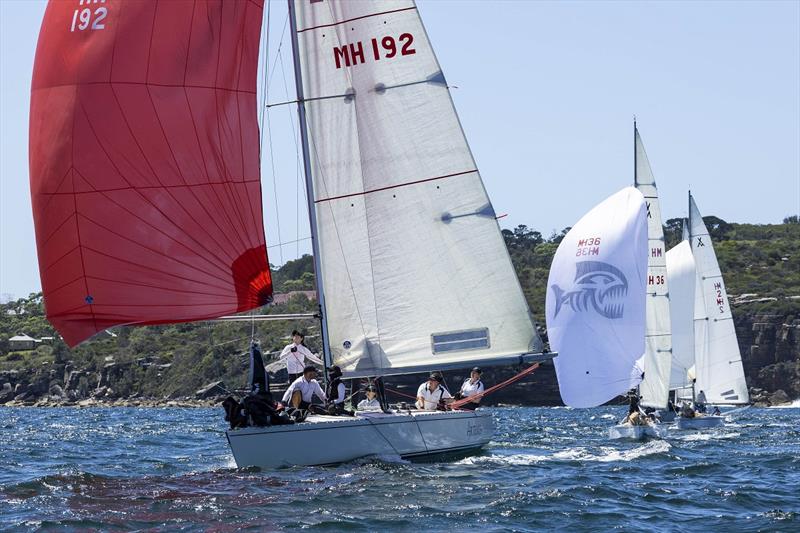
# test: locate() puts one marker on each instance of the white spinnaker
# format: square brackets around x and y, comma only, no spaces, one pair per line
[719,366]
[414,266]
[654,388]
[682,281]
[595,304]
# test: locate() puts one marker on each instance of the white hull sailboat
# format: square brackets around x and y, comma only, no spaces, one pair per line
[149,210]
[416,435]
[709,347]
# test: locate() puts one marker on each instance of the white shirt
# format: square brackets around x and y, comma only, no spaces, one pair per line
[470,389]
[307,390]
[296,361]
[369,405]
[431,398]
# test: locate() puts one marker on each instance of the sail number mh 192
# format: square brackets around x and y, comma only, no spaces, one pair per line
[89,18]
[388,47]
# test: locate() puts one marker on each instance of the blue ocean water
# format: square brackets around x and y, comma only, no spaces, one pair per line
[131,469]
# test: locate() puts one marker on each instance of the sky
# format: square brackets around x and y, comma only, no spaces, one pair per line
[546,93]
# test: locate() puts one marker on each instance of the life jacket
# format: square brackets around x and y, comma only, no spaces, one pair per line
[332,391]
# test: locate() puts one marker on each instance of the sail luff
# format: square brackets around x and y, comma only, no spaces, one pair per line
[682,280]
[719,369]
[312,214]
[657,359]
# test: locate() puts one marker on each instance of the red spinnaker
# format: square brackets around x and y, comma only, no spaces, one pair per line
[144,162]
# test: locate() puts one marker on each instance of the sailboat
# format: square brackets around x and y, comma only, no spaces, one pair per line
[146,193]
[596,301]
[657,359]
[717,369]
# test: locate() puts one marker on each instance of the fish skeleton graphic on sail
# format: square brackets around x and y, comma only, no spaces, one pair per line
[599,284]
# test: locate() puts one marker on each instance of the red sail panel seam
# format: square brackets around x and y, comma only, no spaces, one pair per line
[139,83]
[143,188]
[398,185]
[356,18]
[60,183]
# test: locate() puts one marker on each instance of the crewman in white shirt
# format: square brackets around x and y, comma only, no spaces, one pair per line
[431,393]
[371,402]
[302,390]
[295,355]
[472,386]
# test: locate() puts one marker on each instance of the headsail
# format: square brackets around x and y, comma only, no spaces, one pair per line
[415,270]
[720,374]
[682,279]
[654,388]
[596,301]
[144,163]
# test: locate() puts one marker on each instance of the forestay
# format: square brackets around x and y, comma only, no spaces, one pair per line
[654,388]
[719,365]
[144,163]
[596,301]
[682,280]
[414,267]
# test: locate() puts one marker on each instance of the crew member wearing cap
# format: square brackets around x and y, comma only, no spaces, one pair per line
[302,390]
[431,393]
[370,403]
[472,386]
[295,353]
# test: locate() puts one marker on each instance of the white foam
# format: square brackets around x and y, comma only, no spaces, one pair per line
[604,454]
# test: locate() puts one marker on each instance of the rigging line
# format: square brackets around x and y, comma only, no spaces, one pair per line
[278,51]
[289,242]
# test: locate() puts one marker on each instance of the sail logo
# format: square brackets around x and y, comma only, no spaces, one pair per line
[598,286]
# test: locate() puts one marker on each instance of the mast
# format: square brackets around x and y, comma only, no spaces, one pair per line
[635,173]
[312,214]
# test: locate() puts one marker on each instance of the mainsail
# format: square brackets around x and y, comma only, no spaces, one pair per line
[654,388]
[414,268]
[596,301]
[144,163]
[719,370]
[682,280]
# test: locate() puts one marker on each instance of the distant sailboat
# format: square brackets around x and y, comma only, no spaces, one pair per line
[707,352]
[145,183]
[654,388]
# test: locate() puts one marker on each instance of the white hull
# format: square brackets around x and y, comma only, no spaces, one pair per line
[627,431]
[701,422]
[323,440]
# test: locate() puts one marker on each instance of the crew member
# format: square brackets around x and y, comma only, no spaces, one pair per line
[472,386]
[295,353]
[431,395]
[301,391]
[370,403]
[336,391]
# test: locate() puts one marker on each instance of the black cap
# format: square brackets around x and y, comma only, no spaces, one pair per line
[478,370]
[435,376]
[298,333]
[335,371]
[309,368]
[372,388]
